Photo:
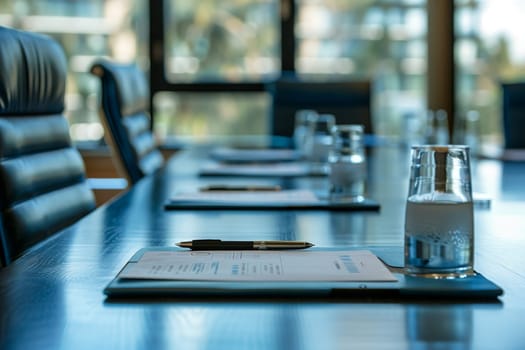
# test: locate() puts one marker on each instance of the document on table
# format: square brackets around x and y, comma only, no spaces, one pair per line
[256,169]
[312,266]
[235,155]
[248,197]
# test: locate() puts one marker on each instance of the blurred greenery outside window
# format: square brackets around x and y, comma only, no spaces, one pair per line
[238,41]
[86,30]
[230,41]
[235,41]
[488,50]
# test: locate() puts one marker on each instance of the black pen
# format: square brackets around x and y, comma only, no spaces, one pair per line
[217,244]
[240,188]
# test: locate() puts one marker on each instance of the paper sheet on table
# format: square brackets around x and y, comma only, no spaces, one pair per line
[269,169]
[235,155]
[248,197]
[347,265]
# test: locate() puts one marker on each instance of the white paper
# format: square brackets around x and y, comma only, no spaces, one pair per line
[248,197]
[269,169]
[303,265]
[254,155]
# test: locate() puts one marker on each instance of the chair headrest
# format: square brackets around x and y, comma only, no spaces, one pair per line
[32,73]
[129,83]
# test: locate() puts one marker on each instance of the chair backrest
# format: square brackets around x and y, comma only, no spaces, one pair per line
[513,98]
[124,112]
[42,176]
[348,101]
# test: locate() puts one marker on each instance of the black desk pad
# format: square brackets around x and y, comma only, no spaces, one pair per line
[471,288]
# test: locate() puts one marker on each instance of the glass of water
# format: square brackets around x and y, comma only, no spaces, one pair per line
[439,219]
[347,163]
[320,143]
[304,119]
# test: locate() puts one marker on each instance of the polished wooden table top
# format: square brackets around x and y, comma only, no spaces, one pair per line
[52,297]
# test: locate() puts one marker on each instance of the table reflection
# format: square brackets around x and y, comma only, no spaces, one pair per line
[450,327]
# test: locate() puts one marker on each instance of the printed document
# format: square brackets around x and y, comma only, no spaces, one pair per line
[253,155]
[248,197]
[259,265]
[274,169]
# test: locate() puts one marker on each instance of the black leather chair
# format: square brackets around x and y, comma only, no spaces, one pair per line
[124,113]
[42,177]
[348,101]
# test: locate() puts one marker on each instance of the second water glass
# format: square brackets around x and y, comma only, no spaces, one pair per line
[348,163]
[320,143]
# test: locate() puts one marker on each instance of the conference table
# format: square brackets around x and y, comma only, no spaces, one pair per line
[52,297]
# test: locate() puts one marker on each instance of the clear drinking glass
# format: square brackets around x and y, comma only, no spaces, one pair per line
[302,129]
[439,221]
[347,163]
[320,143]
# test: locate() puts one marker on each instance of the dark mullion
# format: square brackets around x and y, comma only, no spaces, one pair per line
[288,12]
[156,51]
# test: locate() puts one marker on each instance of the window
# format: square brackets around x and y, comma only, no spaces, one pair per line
[209,60]
[221,41]
[86,30]
[383,41]
[186,117]
[489,50]
[210,49]
[232,48]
